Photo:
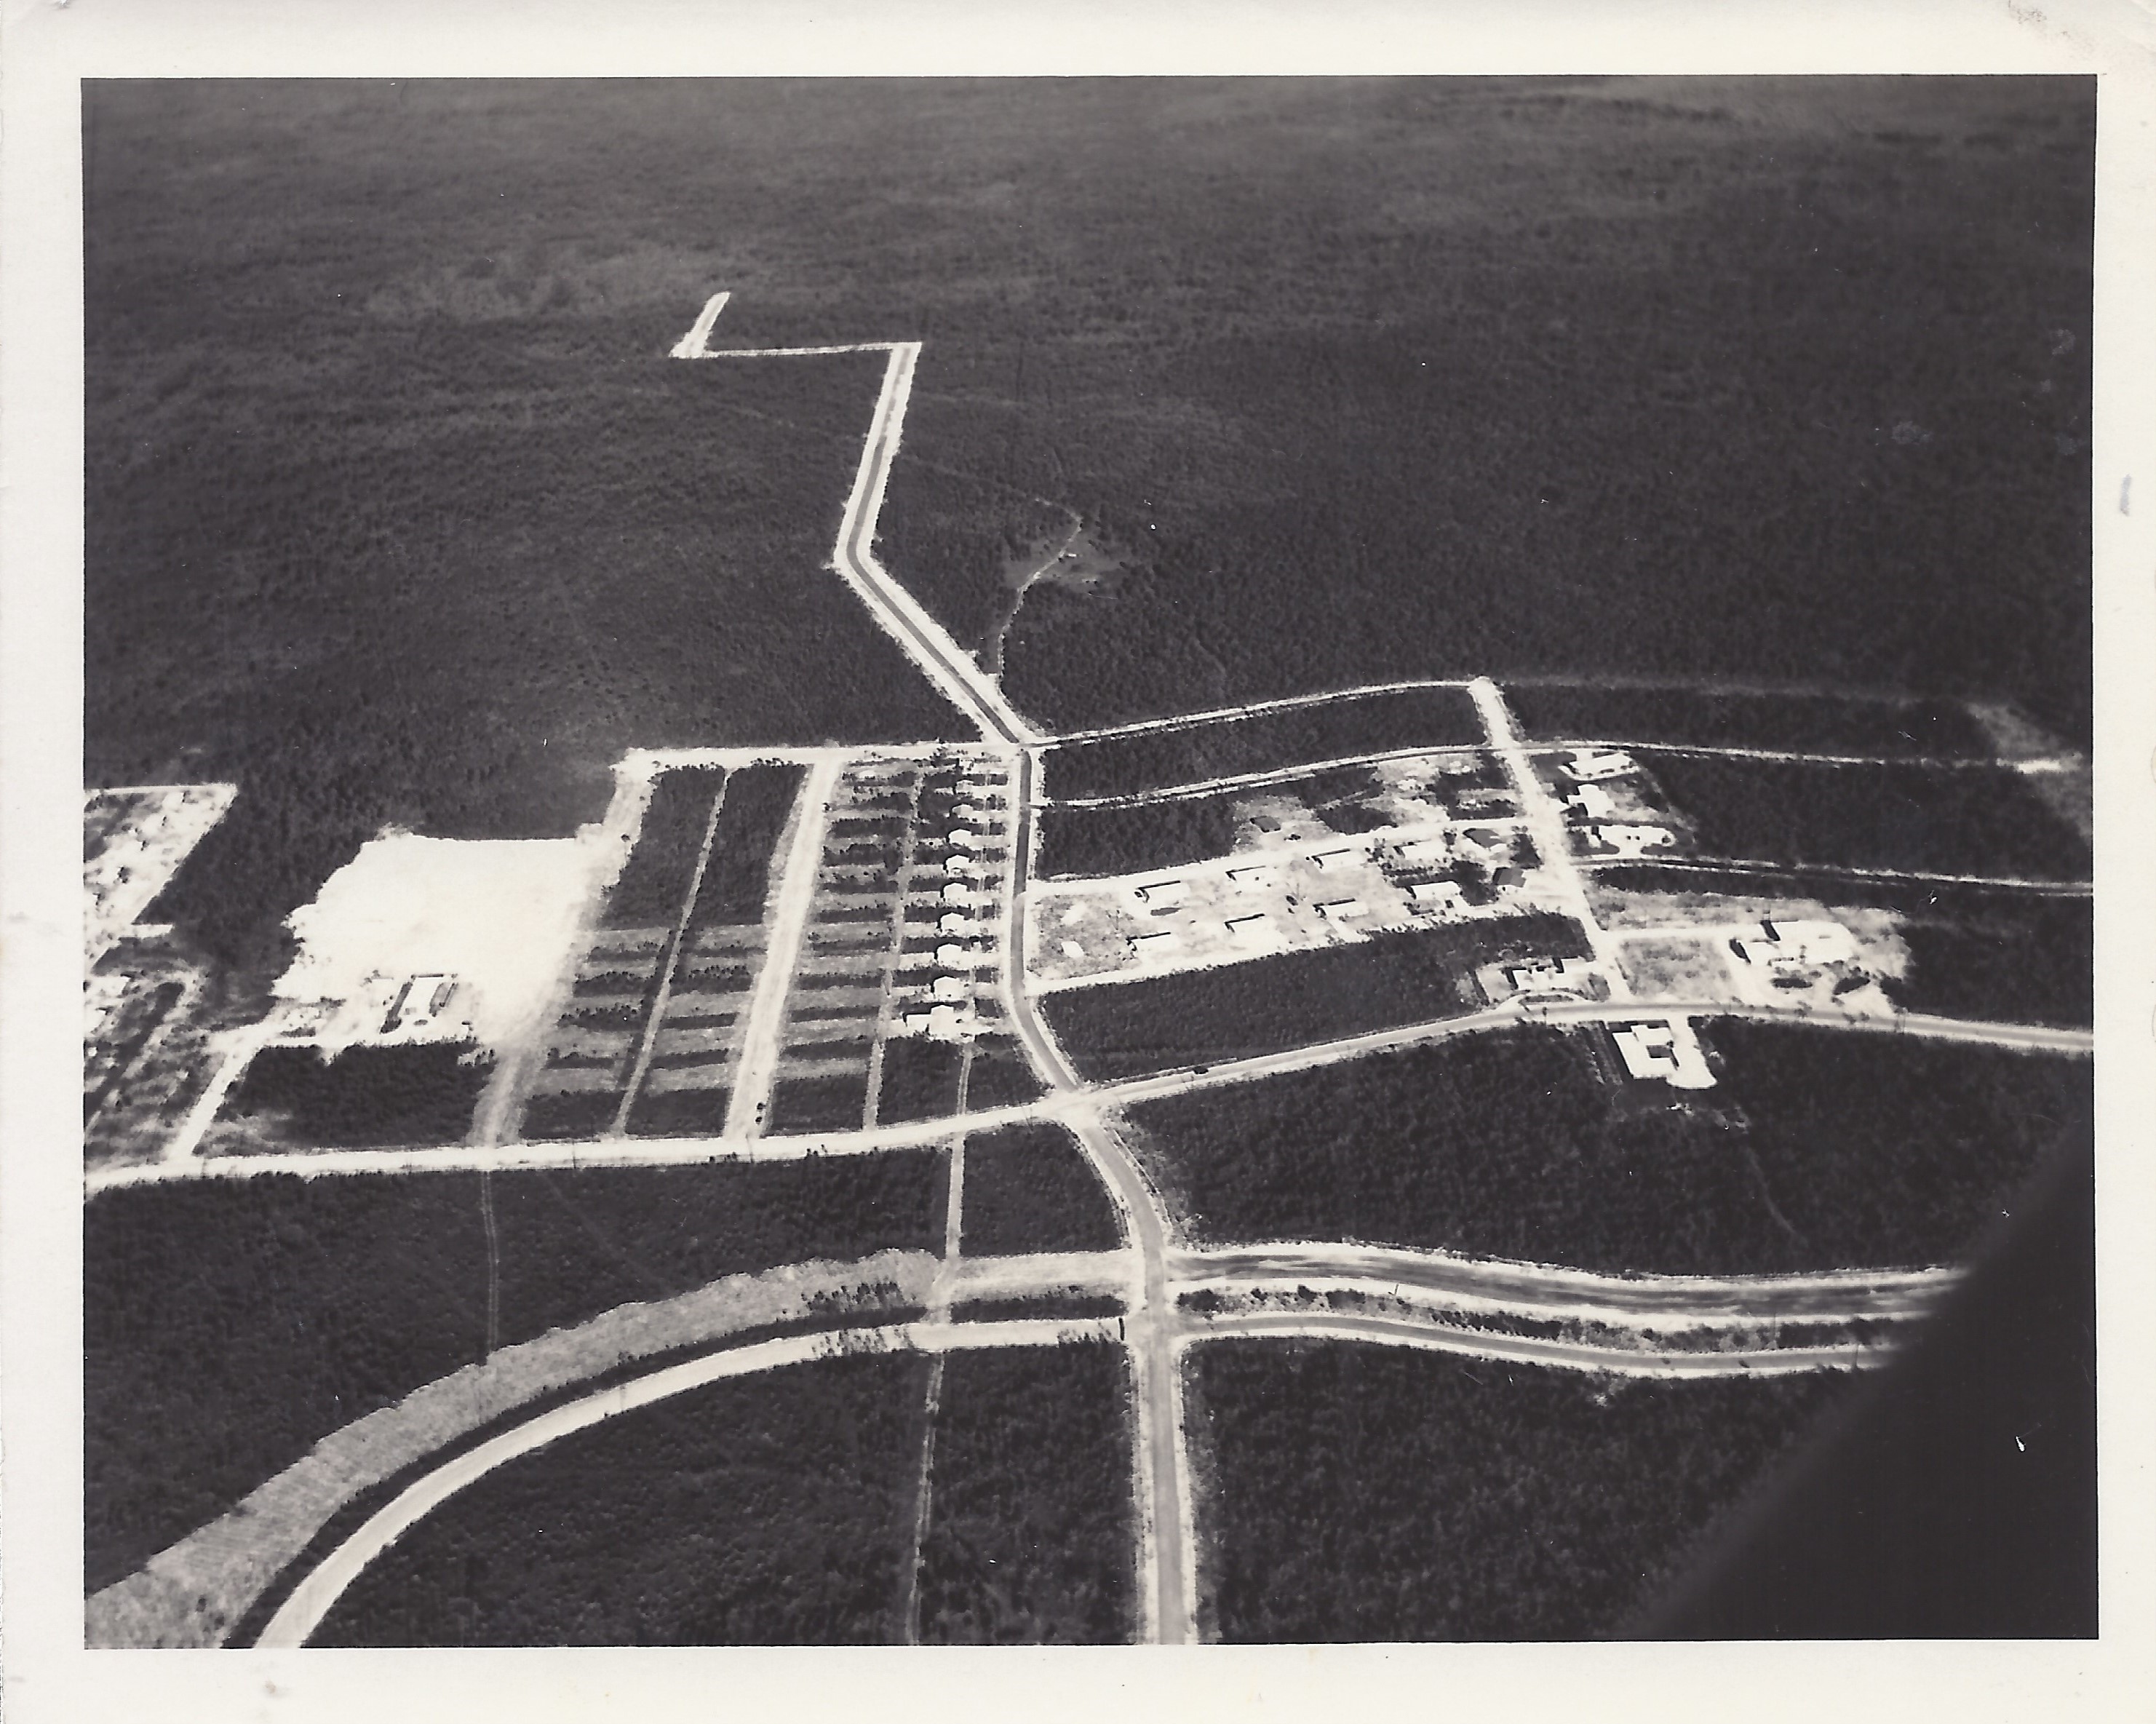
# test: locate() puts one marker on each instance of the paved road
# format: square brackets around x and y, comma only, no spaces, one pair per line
[926,641]
[2033,1037]
[2036,763]
[1186,720]
[1274,775]
[1541,1290]
[1070,1101]
[1169,1573]
[765,1030]
[1532,1350]
[1899,876]
[310,1601]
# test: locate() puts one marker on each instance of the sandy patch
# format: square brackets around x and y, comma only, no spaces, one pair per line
[500,917]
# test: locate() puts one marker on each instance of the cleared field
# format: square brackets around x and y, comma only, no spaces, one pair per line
[230,1324]
[1030,1188]
[773,1510]
[1972,820]
[1262,743]
[1123,1029]
[1365,1493]
[1799,724]
[1818,1149]
[1967,952]
[1029,1538]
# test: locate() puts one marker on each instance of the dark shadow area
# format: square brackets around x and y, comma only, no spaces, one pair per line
[1957,1497]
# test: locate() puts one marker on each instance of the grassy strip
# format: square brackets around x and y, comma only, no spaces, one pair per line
[362,1508]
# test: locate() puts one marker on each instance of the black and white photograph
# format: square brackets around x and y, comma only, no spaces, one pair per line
[1170,857]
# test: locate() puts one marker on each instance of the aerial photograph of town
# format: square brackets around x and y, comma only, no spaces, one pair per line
[1107,861]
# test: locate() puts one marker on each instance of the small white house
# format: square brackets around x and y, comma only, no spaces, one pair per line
[1589,764]
[1593,802]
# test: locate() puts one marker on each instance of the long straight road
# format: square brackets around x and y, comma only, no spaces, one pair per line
[1545,1290]
[1167,1568]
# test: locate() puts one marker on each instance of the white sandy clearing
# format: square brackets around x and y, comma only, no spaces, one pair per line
[500,915]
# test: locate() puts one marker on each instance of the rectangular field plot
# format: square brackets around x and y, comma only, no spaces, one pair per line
[1029,1538]
[291,1097]
[1985,821]
[1030,1187]
[656,879]
[1817,1149]
[1799,724]
[1457,1499]
[1264,742]
[1235,1011]
[229,1325]
[752,814]
[770,1509]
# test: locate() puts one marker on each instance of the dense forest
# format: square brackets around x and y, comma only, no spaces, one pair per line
[1082,843]
[364,1096]
[228,1325]
[1234,1011]
[1975,820]
[1511,1144]
[1700,718]
[1890,1149]
[1365,1493]
[771,1509]
[1818,1149]
[2028,961]
[1030,1188]
[1632,316]
[396,512]
[1263,742]
[1029,1537]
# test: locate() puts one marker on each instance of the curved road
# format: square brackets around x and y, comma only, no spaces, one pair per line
[310,1602]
